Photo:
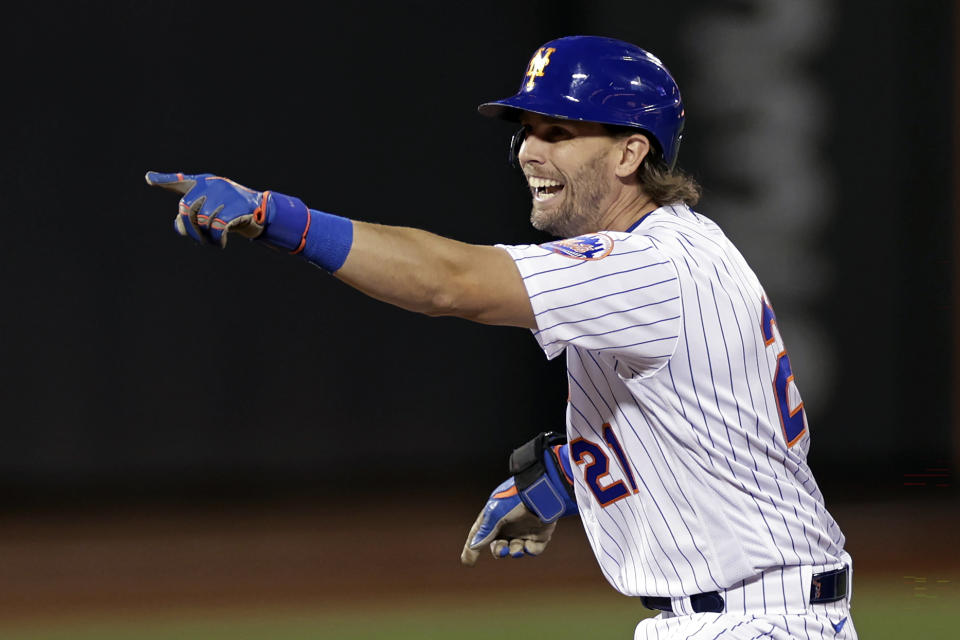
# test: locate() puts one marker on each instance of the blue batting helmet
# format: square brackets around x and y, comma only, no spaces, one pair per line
[599,80]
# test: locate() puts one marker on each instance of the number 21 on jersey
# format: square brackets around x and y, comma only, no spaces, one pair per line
[793,418]
[595,464]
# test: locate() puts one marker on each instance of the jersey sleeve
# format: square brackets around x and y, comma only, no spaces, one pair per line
[614,294]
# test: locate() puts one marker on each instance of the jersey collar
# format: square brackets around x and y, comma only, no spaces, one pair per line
[642,218]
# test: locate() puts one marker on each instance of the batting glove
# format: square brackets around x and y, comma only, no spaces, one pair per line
[521,514]
[508,527]
[211,207]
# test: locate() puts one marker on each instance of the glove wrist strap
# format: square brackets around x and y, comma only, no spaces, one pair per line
[322,238]
[541,479]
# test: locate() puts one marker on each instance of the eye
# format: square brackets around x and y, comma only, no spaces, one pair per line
[556,133]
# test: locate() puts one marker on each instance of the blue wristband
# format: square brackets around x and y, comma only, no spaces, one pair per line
[548,496]
[322,238]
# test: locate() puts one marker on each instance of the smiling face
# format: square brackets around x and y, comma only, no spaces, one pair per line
[569,166]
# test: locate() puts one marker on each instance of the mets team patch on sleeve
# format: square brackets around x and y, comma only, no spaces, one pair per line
[590,247]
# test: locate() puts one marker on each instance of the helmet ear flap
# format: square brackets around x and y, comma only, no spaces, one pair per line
[516,141]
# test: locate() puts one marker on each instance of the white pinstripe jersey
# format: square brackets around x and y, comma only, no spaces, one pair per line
[681,407]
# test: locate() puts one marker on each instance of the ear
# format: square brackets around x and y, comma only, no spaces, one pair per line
[634,148]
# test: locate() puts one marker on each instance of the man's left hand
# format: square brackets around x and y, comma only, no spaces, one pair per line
[508,527]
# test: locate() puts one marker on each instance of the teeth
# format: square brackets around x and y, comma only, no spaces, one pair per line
[539,183]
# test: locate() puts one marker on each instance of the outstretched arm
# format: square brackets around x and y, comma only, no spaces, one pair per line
[424,272]
[409,268]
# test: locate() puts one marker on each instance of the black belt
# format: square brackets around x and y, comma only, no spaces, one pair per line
[828,586]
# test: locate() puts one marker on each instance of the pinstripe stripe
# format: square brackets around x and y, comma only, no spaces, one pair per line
[588,281]
[609,313]
[573,304]
[553,270]
[613,257]
[736,626]
[531,256]
[617,330]
[699,629]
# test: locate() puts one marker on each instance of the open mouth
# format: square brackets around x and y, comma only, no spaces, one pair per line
[544,188]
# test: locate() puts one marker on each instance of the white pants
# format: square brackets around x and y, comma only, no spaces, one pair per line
[731,626]
[774,604]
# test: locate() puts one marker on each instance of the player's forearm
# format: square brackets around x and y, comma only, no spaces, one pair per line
[402,266]
[437,276]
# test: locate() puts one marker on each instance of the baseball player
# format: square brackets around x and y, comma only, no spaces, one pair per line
[686,437]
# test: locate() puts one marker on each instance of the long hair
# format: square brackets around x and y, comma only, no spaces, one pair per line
[664,185]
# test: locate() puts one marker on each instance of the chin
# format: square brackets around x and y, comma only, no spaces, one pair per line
[557,223]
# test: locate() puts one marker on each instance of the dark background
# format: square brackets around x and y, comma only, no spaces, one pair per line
[135,365]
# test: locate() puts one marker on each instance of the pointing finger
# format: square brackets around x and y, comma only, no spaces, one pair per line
[177,182]
[468,557]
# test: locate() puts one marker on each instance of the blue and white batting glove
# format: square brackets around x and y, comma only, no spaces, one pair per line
[508,527]
[212,207]
[519,521]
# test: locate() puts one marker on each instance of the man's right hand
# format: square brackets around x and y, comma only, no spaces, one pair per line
[211,207]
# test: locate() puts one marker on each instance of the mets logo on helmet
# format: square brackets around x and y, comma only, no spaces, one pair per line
[591,247]
[539,60]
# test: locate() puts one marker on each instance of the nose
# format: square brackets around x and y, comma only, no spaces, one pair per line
[533,149]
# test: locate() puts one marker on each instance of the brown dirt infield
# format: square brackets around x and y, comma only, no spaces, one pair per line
[150,559]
